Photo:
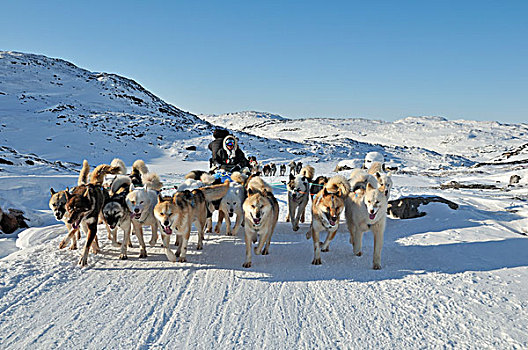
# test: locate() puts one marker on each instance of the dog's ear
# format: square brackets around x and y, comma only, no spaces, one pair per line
[250,192]
[369,186]
[87,194]
[67,194]
[304,179]
[325,192]
[378,176]
[160,198]
[52,191]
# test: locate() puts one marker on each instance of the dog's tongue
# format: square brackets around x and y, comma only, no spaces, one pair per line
[256,221]
[372,216]
[167,230]
[332,222]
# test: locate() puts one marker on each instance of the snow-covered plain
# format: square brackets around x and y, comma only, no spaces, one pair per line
[450,279]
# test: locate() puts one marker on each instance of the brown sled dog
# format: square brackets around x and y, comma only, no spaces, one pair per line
[327,206]
[84,205]
[177,214]
[261,212]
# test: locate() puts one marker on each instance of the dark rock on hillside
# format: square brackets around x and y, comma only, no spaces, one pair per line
[408,207]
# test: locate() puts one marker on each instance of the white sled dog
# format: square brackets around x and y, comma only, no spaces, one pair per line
[298,195]
[327,206]
[261,212]
[230,205]
[176,215]
[366,209]
[141,203]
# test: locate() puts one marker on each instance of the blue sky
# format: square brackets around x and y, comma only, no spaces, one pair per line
[372,59]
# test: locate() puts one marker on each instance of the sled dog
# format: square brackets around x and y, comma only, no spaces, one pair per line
[327,206]
[84,206]
[176,215]
[141,203]
[57,204]
[366,209]
[117,214]
[298,195]
[282,169]
[231,204]
[261,212]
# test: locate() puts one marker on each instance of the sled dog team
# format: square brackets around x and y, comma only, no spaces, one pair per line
[131,201]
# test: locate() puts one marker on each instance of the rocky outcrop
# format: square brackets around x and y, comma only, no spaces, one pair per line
[408,207]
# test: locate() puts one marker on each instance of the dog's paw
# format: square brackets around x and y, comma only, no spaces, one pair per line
[83,261]
[130,244]
[199,246]
[182,259]
[316,261]
[376,266]
[73,247]
[247,264]
[170,255]
[143,254]
[265,251]
[62,245]
[325,249]
[359,253]
[295,228]
[152,243]
[123,256]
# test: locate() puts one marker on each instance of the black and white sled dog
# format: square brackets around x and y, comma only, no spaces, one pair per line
[116,212]
[231,204]
[298,195]
[141,203]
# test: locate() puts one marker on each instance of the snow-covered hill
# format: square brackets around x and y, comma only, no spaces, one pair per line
[451,279]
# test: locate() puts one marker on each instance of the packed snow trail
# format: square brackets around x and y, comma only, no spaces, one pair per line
[432,292]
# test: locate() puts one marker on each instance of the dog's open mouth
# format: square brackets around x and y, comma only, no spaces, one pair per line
[135,215]
[256,221]
[167,230]
[331,221]
[112,227]
[372,216]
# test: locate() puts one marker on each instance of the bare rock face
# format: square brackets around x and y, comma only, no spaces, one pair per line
[514,179]
[408,207]
[12,221]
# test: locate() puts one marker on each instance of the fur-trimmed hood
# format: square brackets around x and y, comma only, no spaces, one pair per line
[230,153]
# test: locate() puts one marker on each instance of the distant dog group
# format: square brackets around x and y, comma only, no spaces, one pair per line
[131,201]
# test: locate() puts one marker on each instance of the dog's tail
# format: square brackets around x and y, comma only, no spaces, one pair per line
[83,175]
[116,162]
[308,172]
[215,192]
[152,182]
[121,183]
[256,184]
[140,167]
[376,167]
[239,177]
[339,185]
[97,177]
[207,178]
[359,179]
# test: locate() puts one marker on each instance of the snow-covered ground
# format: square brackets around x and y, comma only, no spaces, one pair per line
[450,279]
